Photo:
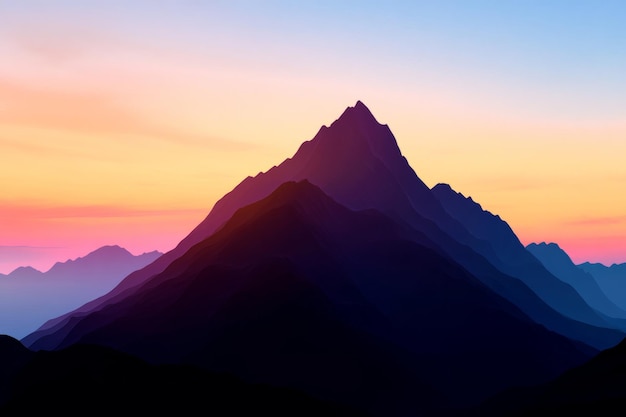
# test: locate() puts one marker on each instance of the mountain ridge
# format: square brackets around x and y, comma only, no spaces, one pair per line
[29,297]
[561,265]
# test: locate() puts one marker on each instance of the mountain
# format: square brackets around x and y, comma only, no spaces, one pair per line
[73,380]
[481,223]
[514,259]
[297,290]
[611,279]
[101,264]
[357,162]
[23,273]
[341,274]
[557,261]
[28,297]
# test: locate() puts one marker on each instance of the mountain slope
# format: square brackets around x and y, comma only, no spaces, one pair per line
[514,260]
[298,290]
[611,279]
[561,265]
[28,297]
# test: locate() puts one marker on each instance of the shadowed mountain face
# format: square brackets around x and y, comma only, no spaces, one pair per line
[481,223]
[300,291]
[28,297]
[611,279]
[561,265]
[525,278]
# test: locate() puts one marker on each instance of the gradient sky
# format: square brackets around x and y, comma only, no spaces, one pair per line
[123,122]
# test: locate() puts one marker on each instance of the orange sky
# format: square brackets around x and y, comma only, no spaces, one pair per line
[119,126]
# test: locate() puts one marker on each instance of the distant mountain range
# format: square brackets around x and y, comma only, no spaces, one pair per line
[611,279]
[339,275]
[580,278]
[28,297]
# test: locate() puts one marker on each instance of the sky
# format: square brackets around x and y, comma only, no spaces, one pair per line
[123,122]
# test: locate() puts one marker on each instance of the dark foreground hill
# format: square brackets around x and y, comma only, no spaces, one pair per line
[596,388]
[95,380]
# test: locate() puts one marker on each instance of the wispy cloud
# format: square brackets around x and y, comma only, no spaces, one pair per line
[9,210]
[92,112]
[596,221]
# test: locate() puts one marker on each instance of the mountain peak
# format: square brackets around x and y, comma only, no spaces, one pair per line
[547,245]
[355,160]
[359,106]
[549,250]
[111,250]
[358,114]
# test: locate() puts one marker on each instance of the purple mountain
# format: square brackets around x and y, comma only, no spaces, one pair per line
[28,297]
[357,162]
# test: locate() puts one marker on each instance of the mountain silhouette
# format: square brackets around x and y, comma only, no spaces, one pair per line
[23,272]
[515,260]
[557,261]
[298,290]
[28,297]
[357,162]
[611,279]
[341,274]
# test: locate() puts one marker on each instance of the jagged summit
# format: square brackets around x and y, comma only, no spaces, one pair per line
[356,161]
[550,253]
[443,187]
[359,113]
[353,137]
[549,249]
